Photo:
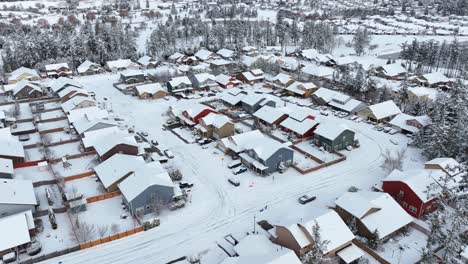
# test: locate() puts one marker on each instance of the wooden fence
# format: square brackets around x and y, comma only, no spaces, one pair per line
[58,129]
[321,166]
[63,142]
[103,197]
[75,156]
[111,238]
[50,120]
[26,164]
[79,176]
[40,213]
[47,182]
[369,251]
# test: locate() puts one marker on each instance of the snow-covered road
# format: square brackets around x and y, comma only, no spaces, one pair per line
[217,208]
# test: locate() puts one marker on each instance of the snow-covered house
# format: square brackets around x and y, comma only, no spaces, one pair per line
[282,80]
[91,138]
[221,65]
[117,168]
[252,76]
[16,196]
[25,89]
[410,189]
[215,125]
[301,89]
[317,72]
[121,65]
[116,143]
[408,124]
[16,232]
[147,188]
[381,112]
[448,165]
[196,111]
[225,81]
[61,83]
[261,153]
[89,68]
[325,59]
[150,91]
[225,53]
[249,51]
[78,102]
[86,125]
[58,70]
[232,100]
[71,91]
[309,54]
[6,169]
[23,73]
[253,102]
[146,62]
[337,100]
[289,64]
[175,57]
[373,212]
[333,137]
[299,235]
[205,55]
[270,116]
[434,80]
[203,81]
[391,71]
[10,147]
[132,76]
[299,122]
[181,84]
[89,113]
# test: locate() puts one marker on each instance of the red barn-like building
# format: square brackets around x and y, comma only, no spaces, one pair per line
[409,189]
[197,111]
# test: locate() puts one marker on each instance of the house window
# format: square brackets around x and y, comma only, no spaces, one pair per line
[405,204]
[413,209]
[401,193]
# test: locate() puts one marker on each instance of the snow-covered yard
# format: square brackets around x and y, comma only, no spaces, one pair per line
[42,199]
[185,133]
[404,248]
[52,125]
[323,155]
[79,165]
[88,186]
[34,174]
[33,154]
[303,162]
[62,150]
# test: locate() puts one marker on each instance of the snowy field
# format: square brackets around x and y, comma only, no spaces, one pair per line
[218,208]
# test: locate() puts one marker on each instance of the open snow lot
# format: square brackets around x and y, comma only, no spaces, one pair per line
[33,154]
[88,186]
[78,166]
[185,133]
[324,156]
[33,173]
[52,125]
[59,136]
[34,138]
[23,126]
[217,208]
[303,162]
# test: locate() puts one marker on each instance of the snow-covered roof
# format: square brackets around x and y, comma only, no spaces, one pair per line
[75,101]
[90,138]
[394,69]
[13,191]
[309,53]
[350,106]
[419,180]
[330,131]
[70,89]
[86,65]
[450,165]
[194,109]
[25,83]
[14,230]
[132,72]
[331,229]
[145,60]
[226,79]
[120,64]
[56,66]
[220,62]
[176,56]
[401,119]
[282,78]
[149,175]
[384,109]
[249,48]
[284,256]
[435,77]
[318,71]
[203,54]
[300,87]
[253,98]
[226,53]
[6,166]
[419,91]
[87,112]
[232,99]
[387,217]
[86,124]
[344,60]
[254,245]
[114,168]
[203,77]
[9,144]
[176,81]
[112,140]
[150,88]
[350,253]
[253,75]
[299,126]
[59,83]
[14,75]
[215,120]
[269,114]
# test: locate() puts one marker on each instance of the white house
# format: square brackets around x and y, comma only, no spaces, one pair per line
[16,196]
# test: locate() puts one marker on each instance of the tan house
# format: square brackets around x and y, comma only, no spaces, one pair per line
[23,73]
[301,89]
[381,112]
[300,237]
[78,102]
[216,126]
[150,91]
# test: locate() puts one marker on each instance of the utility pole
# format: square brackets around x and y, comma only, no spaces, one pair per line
[254,225]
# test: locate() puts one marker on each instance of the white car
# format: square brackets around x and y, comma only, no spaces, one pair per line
[169,153]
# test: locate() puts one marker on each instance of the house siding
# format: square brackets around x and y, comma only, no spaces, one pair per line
[405,196]
[165,193]
[121,148]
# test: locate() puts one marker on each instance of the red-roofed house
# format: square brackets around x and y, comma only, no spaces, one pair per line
[197,111]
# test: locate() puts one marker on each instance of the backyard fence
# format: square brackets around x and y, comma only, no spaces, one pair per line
[111,238]
[79,176]
[103,197]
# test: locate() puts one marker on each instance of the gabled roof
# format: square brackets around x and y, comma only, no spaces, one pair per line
[226,53]
[114,168]
[88,112]
[300,87]
[74,102]
[450,165]
[202,77]
[144,177]
[23,70]
[318,71]
[384,109]
[6,166]
[401,119]
[86,65]
[394,69]
[215,120]
[203,54]
[309,53]
[299,127]
[195,109]
[92,137]
[146,60]
[9,144]
[330,131]
[118,64]
[132,72]
[176,81]
[283,78]
[70,89]
[59,83]
[388,218]
[56,66]
[14,230]
[269,114]
[85,124]
[13,191]
[112,140]
[25,83]
[150,88]
[328,95]
[225,79]
[252,99]
[176,56]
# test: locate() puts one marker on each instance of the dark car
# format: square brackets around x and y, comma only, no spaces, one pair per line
[239,170]
[184,185]
[306,199]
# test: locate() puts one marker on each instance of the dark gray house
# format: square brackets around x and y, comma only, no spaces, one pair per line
[333,137]
[180,84]
[132,76]
[146,189]
[252,102]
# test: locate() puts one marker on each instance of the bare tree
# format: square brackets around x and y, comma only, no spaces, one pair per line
[157,205]
[46,139]
[175,174]
[392,162]
[84,231]
[102,230]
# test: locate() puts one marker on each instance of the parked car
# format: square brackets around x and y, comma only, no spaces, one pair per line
[34,248]
[138,139]
[25,137]
[324,113]
[144,133]
[378,128]
[306,199]
[234,182]
[176,205]
[234,164]
[183,185]
[353,117]
[393,131]
[206,141]
[154,142]
[9,258]
[387,129]
[239,170]
[168,153]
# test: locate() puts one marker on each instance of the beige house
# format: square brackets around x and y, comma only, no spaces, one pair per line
[23,73]
[150,91]
[215,126]
[299,237]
